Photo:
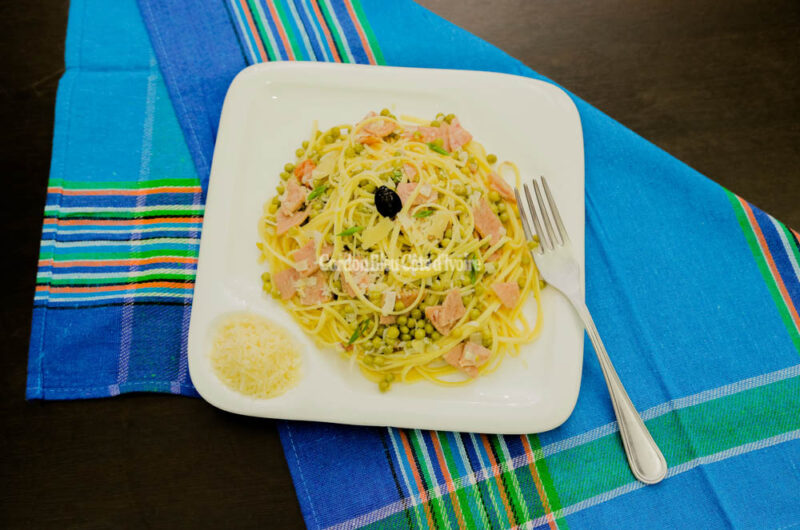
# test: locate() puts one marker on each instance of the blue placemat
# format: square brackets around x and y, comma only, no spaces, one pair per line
[695,291]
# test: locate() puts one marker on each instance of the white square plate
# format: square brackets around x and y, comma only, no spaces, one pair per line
[268,110]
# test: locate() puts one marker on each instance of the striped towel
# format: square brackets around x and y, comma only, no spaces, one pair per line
[696,291]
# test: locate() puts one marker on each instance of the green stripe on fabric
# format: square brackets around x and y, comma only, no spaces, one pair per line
[468,495]
[125,184]
[682,435]
[547,481]
[795,250]
[272,53]
[509,480]
[326,14]
[763,267]
[285,21]
[373,42]
[436,504]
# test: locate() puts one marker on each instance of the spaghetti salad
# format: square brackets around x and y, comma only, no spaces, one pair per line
[399,244]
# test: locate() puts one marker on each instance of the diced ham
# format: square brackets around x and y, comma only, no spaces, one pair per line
[375,130]
[285,281]
[305,258]
[387,319]
[424,134]
[293,198]
[457,135]
[315,290]
[497,183]
[444,316]
[303,171]
[405,190]
[285,222]
[407,297]
[494,256]
[487,223]
[507,292]
[361,276]
[454,355]
[468,356]
[409,170]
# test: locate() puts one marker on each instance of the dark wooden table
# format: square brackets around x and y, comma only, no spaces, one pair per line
[715,83]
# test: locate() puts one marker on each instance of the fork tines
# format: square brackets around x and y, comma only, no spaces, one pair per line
[544,218]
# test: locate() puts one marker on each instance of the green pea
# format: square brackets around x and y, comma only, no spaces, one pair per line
[504,217]
[412,322]
[335,132]
[377,342]
[404,329]
[402,320]
[299,152]
[289,167]
[491,159]
[370,187]
[350,152]
[487,341]
[273,208]
[392,332]
[420,324]
[327,139]
[521,282]
[494,196]
[435,123]
[399,305]
[416,313]
[379,361]
[475,313]
[405,336]
[359,148]
[285,175]
[389,377]
[384,386]
[369,359]
[305,144]
[428,329]
[419,334]
[276,201]
[385,112]
[436,335]
[280,188]
[445,242]
[501,206]
[449,118]
[493,206]
[448,233]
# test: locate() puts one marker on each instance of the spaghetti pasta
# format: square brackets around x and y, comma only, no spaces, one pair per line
[399,244]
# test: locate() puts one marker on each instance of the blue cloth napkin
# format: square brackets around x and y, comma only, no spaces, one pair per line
[695,290]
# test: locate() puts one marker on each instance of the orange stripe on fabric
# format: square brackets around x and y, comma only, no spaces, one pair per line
[115,262]
[771,262]
[105,288]
[146,191]
[360,31]
[256,36]
[451,488]
[496,472]
[281,31]
[324,24]
[538,482]
[423,494]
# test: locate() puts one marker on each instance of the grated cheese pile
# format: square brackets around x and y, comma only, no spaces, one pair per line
[255,357]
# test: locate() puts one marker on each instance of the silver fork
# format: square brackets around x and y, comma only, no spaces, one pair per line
[558,267]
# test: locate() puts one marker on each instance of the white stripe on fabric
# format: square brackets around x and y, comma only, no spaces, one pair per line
[268,30]
[342,36]
[313,21]
[302,30]
[787,247]
[522,460]
[244,31]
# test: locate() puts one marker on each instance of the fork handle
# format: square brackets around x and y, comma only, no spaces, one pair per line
[644,456]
